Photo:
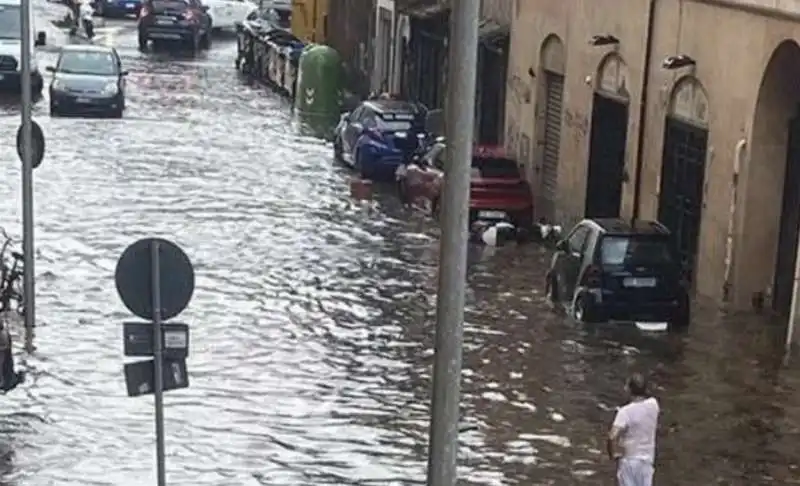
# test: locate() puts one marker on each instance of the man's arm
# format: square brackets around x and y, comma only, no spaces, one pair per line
[617,429]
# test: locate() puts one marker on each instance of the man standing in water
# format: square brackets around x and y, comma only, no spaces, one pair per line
[632,439]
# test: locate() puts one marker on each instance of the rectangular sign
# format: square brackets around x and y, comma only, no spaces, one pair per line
[140,376]
[138,339]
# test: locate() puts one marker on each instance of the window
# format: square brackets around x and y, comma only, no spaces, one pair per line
[635,250]
[496,167]
[577,240]
[9,22]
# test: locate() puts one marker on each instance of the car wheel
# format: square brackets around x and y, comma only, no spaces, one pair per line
[116,113]
[337,149]
[585,310]
[682,316]
[551,290]
[142,41]
[205,40]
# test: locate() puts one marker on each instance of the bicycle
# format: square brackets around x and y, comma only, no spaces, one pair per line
[9,291]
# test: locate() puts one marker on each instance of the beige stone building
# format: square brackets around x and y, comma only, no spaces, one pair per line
[718,159]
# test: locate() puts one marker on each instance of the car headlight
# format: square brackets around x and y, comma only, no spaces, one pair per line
[110,89]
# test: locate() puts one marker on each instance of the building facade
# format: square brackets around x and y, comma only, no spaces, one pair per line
[350,30]
[686,111]
[421,58]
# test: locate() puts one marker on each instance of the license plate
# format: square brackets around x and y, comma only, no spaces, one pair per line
[165,21]
[83,100]
[639,282]
[492,214]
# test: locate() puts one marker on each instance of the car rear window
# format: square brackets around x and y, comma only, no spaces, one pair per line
[169,4]
[635,250]
[395,121]
[495,167]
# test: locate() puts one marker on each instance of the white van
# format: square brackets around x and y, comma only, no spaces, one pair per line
[11,48]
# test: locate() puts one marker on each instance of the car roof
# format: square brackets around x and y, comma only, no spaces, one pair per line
[619,226]
[87,48]
[393,106]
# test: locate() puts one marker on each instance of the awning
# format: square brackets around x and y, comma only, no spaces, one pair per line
[493,35]
[423,9]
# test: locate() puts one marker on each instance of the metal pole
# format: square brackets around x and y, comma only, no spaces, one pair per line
[463,57]
[794,313]
[27,176]
[155,272]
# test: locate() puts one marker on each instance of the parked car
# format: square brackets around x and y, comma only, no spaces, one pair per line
[184,21]
[11,48]
[379,136]
[225,14]
[611,269]
[87,79]
[116,8]
[499,191]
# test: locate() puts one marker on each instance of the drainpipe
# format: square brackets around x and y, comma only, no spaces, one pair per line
[648,54]
[737,166]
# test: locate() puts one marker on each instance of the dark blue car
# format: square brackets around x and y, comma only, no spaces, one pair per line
[379,136]
[116,8]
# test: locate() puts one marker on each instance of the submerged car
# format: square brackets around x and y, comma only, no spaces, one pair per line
[498,192]
[616,270]
[379,136]
[182,21]
[87,79]
[116,8]
[11,49]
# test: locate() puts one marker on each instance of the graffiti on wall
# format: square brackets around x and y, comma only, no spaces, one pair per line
[578,122]
[519,89]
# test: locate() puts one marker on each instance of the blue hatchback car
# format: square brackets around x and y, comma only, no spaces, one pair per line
[379,136]
[116,8]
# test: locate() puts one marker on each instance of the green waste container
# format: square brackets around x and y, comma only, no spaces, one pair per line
[320,83]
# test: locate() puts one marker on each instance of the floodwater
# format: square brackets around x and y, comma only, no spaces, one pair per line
[312,321]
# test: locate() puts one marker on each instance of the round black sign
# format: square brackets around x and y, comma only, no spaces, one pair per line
[37,144]
[134,279]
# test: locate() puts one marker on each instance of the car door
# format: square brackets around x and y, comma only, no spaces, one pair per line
[241,9]
[353,129]
[570,260]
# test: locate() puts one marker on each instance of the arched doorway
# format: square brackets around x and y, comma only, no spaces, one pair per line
[552,68]
[683,169]
[608,139]
[778,119]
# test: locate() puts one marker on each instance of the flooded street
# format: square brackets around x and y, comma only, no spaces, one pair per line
[312,321]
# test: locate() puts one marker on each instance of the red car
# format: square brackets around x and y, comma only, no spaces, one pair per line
[499,190]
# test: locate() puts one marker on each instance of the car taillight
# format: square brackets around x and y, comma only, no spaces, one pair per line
[143,12]
[592,276]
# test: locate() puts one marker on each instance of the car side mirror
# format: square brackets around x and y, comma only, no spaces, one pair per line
[41,39]
[562,246]
[50,69]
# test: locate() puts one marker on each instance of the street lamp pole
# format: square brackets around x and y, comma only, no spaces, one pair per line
[460,113]
[27,173]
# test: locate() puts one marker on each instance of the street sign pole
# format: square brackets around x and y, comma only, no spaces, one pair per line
[158,355]
[460,106]
[27,175]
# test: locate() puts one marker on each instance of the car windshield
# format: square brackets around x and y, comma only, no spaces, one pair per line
[395,122]
[9,22]
[495,167]
[78,62]
[635,250]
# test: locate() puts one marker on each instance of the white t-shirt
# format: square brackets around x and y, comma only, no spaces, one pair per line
[638,421]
